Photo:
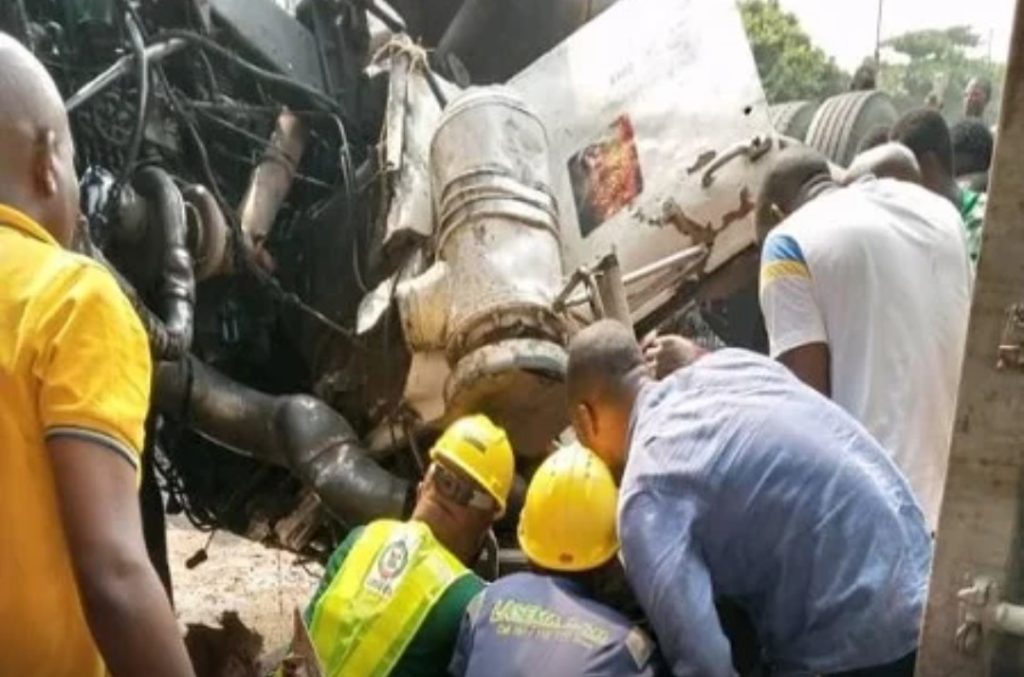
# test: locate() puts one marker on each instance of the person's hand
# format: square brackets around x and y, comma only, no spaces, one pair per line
[665,354]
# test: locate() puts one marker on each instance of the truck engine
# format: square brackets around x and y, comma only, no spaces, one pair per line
[346,224]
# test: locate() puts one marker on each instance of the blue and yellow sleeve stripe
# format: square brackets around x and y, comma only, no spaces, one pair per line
[781,258]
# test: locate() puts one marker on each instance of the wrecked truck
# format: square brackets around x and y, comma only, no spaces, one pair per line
[346,225]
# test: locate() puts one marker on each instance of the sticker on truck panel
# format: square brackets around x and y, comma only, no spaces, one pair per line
[605,175]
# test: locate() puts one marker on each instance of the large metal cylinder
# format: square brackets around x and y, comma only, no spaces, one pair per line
[487,301]
[497,226]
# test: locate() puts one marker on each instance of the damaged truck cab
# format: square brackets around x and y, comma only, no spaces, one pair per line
[340,241]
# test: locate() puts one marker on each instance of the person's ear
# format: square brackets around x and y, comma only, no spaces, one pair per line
[44,165]
[585,423]
[420,488]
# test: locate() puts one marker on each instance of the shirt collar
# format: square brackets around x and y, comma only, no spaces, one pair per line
[9,216]
[572,586]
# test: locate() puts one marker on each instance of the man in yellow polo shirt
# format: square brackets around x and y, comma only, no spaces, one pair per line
[78,596]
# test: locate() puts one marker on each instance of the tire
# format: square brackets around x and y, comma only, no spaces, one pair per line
[792,118]
[843,120]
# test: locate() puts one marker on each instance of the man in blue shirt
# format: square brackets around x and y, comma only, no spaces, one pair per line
[549,622]
[739,481]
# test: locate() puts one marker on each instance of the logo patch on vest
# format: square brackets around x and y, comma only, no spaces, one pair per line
[391,564]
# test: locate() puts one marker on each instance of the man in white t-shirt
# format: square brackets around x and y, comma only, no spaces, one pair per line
[866,291]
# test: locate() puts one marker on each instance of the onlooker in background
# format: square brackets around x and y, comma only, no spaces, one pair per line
[78,595]
[933,101]
[885,161]
[550,621]
[926,134]
[740,482]
[865,292]
[972,154]
[866,76]
[977,95]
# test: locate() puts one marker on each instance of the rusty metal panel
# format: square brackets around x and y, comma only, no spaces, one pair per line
[636,124]
[979,525]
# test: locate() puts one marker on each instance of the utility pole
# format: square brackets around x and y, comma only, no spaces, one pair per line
[878,36]
[972,623]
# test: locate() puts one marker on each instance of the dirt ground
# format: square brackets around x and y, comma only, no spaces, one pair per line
[261,585]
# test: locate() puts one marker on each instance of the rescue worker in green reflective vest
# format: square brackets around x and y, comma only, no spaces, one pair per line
[552,620]
[394,593]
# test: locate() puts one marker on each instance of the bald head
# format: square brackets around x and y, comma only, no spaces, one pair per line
[606,369]
[601,358]
[30,94]
[888,161]
[798,174]
[37,175]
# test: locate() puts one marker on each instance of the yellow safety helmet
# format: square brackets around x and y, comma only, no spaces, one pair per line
[568,521]
[479,448]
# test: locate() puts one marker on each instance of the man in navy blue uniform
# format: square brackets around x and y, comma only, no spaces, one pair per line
[549,622]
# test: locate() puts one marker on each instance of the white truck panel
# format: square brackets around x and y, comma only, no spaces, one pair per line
[637,103]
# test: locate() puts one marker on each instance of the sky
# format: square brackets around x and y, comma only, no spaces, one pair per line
[845,29]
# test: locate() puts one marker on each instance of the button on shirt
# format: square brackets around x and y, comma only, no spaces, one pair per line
[879,271]
[74,361]
[546,626]
[744,483]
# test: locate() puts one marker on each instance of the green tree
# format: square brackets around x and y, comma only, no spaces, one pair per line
[791,67]
[936,61]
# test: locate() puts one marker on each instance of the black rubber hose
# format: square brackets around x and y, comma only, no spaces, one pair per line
[177,287]
[161,347]
[298,432]
[208,45]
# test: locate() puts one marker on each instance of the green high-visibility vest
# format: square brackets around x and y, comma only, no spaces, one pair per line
[378,600]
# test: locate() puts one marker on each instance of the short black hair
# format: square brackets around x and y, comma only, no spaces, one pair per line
[876,136]
[790,171]
[601,357]
[924,131]
[972,147]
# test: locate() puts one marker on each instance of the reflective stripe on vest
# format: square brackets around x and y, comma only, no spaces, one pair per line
[378,600]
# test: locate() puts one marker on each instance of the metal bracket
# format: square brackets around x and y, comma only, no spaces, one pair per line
[752,150]
[981,611]
[604,287]
[1011,343]
[698,233]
